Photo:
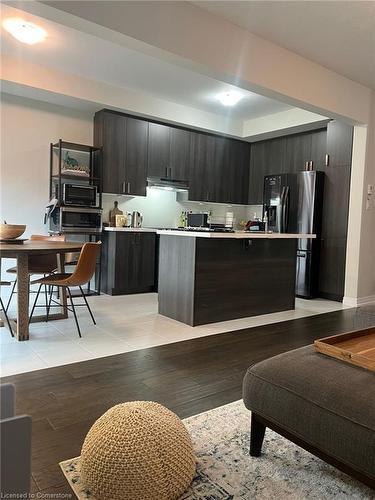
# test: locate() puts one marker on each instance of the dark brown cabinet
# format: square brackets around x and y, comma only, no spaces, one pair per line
[128,262]
[339,143]
[180,150]
[158,150]
[266,158]
[219,169]
[335,210]
[284,155]
[124,152]
[135,172]
[168,152]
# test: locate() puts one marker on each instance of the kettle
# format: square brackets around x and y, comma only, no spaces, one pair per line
[137,219]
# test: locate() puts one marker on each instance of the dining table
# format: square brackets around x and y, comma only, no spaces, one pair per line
[21,252]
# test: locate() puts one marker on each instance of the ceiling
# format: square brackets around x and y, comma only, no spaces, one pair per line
[339,35]
[82,54]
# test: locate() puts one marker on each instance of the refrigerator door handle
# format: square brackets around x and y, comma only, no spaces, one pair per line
[285,208]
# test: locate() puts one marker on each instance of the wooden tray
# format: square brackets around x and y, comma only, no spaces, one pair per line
[357,347]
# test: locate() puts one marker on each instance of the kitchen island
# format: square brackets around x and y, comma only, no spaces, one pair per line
[205,277]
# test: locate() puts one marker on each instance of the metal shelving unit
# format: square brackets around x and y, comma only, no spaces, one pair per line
[91,157]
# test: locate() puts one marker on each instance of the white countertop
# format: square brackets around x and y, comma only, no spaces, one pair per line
[131,229]
[235,235]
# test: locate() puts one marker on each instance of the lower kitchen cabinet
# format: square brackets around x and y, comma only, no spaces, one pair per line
[128,262]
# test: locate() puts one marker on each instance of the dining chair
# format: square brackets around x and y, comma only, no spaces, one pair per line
[82,274]
[5,283]
[38,264]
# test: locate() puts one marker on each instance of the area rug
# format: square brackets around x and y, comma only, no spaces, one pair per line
[225,470]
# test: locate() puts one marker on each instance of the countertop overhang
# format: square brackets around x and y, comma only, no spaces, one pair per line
[210,234]
[130,229]
[236,235]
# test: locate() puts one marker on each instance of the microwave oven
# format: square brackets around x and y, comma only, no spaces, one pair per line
[75,220]
[79,195]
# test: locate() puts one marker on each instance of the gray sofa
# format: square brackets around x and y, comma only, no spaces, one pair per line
[322,404]
[15,447]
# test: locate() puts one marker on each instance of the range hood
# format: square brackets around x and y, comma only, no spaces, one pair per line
[167,184]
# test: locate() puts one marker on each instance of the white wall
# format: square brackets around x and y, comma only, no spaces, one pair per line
[27,128]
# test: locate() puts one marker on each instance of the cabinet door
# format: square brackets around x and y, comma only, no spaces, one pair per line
[298,152]
[266,158]
[202,168]
[158,150]
[334,231]
[319,148]
[110,134]
[339,143]
[134,266]
[145,256]
[236,175]
[180,150]
[135,173]
[217,175]
[332,268]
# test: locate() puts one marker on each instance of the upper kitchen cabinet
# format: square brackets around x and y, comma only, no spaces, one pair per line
[110,135]
[168,152]
[266,158]
[298,152]
[236,178]
[318,148]
[287,154]
[158,150]
[219,169]
[202,185]
[136,156]
[339,144]
[180,149]
[124,152]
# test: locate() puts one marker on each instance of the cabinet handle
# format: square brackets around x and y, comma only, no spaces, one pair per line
[170,172]
[123,187]
[166,172]
[128,187]
[327,160]
[208,195]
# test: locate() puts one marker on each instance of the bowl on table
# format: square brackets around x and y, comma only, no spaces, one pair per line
[11,231]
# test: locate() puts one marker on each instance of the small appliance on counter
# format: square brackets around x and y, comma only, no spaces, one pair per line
[197,220]
[255,225]
[136,219]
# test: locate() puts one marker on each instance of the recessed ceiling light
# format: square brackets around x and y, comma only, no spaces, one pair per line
[229,98]
[24,31]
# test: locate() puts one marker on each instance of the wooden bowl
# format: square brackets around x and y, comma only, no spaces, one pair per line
[11,231]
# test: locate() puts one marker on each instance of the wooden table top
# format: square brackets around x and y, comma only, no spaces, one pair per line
[39,247]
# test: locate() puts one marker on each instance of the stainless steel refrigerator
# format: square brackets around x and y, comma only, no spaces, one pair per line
[293,203]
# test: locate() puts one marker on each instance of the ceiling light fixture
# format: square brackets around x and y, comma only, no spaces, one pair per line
[229,98]
[24,31]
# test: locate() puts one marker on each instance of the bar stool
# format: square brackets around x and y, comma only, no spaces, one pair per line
[82,274]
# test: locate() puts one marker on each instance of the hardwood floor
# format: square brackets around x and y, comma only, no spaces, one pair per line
[188,377]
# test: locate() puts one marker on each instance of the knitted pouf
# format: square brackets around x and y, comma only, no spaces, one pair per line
[138,450]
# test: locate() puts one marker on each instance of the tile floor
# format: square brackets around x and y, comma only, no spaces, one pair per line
[124,323]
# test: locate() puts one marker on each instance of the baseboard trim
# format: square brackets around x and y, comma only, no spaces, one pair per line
[359,301]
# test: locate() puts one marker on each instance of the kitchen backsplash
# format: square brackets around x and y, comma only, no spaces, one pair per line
[161,208]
